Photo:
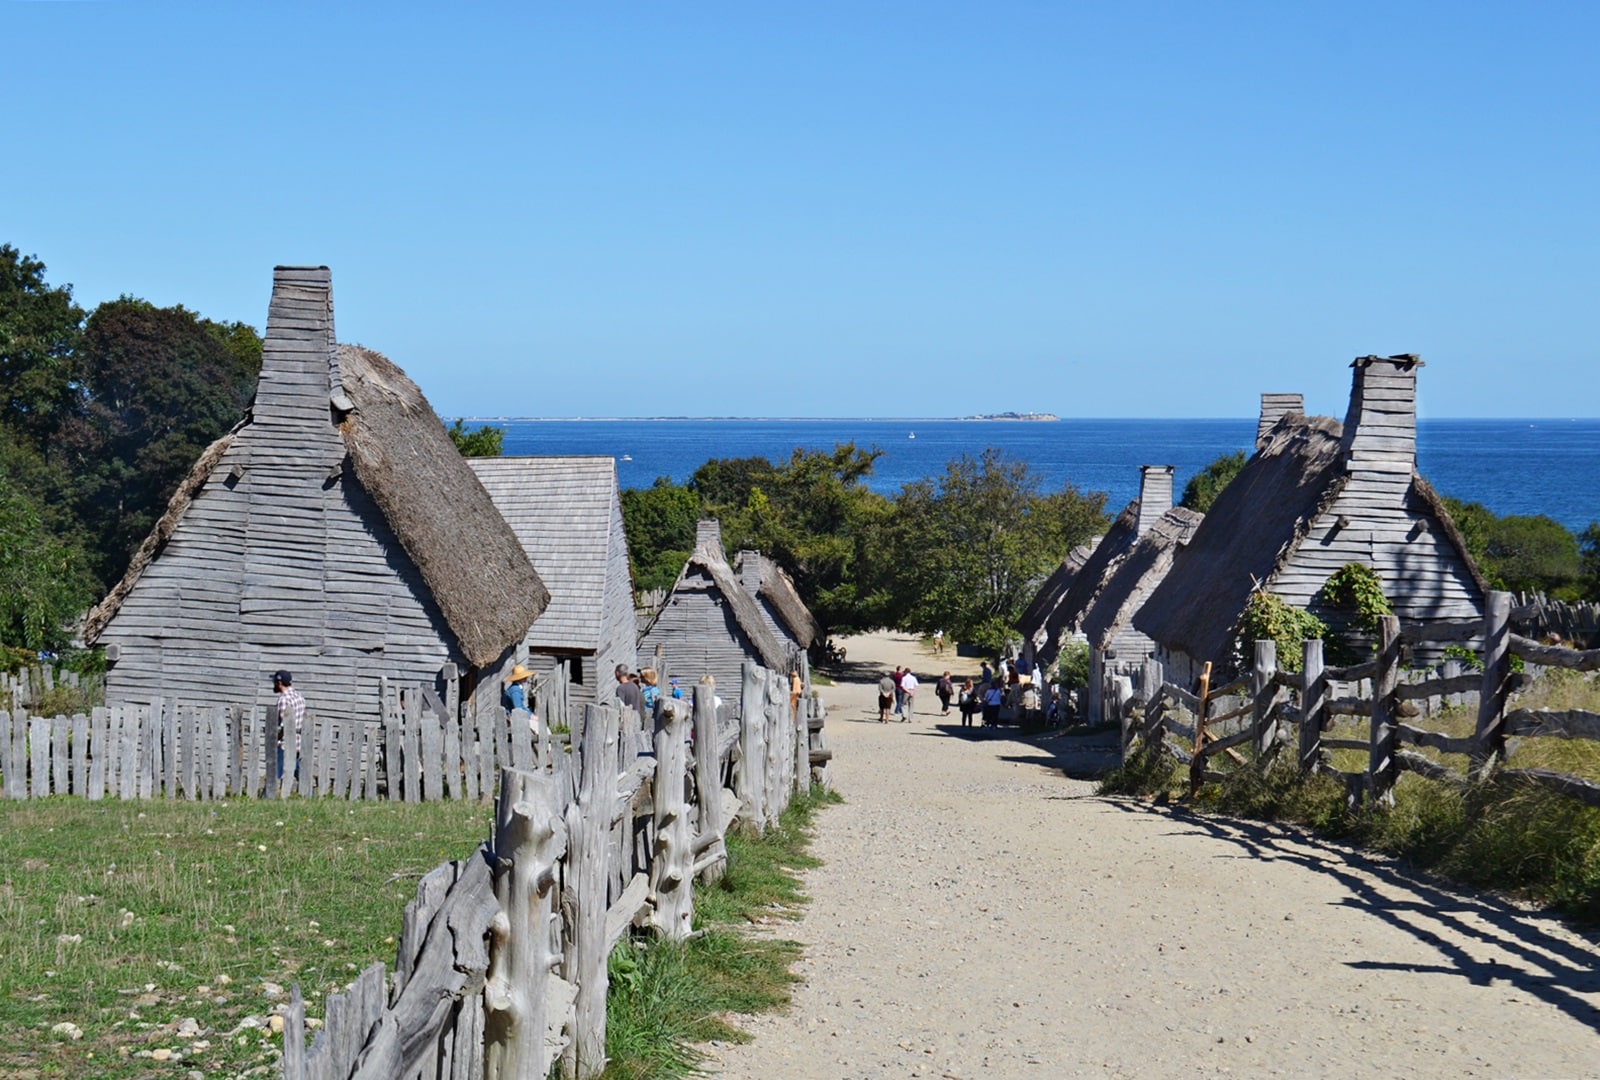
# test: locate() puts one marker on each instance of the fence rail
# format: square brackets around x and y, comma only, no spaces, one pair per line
[501,964]
[1297,709]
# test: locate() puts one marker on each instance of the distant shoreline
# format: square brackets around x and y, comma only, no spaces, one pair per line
[957,419]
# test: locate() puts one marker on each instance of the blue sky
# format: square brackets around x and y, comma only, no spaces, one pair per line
[1138,209]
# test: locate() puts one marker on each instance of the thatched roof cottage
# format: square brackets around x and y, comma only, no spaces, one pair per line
[335,532]
[785,613]
[709,624]
[1115,647]
[1316,495]
[567,513]
[1065,620]
[1034,625]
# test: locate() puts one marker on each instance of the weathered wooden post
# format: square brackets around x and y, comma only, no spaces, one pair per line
[800,722]
[710,849]
[1197,763]
[1381,768]
[588,844]
[752,769]
[529,840]
[1489,740]
[1264,693]
[671,872]
[777,790]
[1313,700]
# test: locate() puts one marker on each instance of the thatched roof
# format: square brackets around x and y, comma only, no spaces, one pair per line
[777,589]
[188,488]
[1032,623]
[487,590]
[1067,616]
[1131,578]
[478,575]
[1251,529]
[708,559]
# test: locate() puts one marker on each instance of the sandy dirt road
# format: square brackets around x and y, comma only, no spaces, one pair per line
[982,914]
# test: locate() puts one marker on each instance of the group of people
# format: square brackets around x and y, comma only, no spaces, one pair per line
[1003,686]
[899,691]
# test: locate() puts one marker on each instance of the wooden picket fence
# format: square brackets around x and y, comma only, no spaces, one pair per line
[426,748]
[1267,709]
[501,963]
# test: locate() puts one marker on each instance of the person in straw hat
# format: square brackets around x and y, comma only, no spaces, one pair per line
[515,695]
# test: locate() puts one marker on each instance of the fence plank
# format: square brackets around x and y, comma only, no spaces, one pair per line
[236,781]
[671,872]
[411,737]
[221,755]
[450,757]
[99,722]
[341,772]
[588,823]
[530,838]
[369,739]
[393,755]
[39,752]
[432,739]
[1496,683]
[80,755]
[60,728]
[128,751]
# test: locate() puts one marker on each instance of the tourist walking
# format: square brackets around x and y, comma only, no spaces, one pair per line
[993,695]
[290,715]
[967,702]
[946,690]
[908,692]
[885,698]
[899,691]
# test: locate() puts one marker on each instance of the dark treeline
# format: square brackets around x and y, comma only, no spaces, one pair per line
[961,552]
[101,414]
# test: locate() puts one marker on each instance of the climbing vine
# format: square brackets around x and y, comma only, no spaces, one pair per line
[1358,590]
[1271,617]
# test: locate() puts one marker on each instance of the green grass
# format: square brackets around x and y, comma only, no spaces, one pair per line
[665,998]
[125,918]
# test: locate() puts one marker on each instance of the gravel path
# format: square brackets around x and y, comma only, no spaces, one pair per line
[981,914]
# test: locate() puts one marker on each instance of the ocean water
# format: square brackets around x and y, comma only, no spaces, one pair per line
[1549,467]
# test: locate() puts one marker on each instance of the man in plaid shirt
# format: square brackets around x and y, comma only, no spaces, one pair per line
[291,711]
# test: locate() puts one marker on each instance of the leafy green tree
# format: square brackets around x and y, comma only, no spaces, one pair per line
[160,385]
[39,328]
[964,552]
[1204,486]
[1521,553]
[485,441]
[44,583]
[1589,545]
[660,523]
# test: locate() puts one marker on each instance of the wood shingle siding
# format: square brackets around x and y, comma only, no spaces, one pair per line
[567,514]
[278,551]
[1316,496]
[709,624]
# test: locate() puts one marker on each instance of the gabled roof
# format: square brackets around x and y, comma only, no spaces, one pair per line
[487,590]
[1053,591]
[1129,579]
[1254,525]
[708,558]
[561,510]
[777,589]
[1068,614]
[477,573]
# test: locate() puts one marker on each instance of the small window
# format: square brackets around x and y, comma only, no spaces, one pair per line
[575,670]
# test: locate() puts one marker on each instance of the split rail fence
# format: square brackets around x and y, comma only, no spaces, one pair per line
[1268,709]
[501,965]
